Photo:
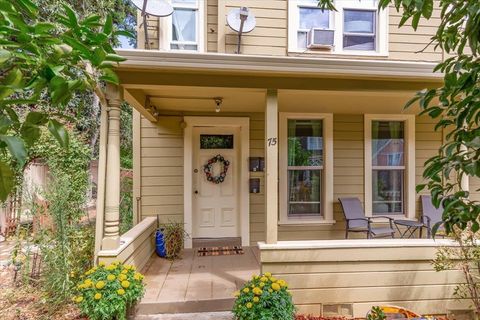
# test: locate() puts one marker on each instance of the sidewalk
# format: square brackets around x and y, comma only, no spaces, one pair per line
[187,316]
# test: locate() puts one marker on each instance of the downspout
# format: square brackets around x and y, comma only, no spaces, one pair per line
[102,169]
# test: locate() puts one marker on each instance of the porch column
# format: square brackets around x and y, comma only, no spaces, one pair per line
[271,167]
[111,234]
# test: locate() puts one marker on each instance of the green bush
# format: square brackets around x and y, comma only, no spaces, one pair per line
[264,298]
[105,292]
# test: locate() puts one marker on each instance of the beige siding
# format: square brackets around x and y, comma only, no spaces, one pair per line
[474,188]
[162,171]
[212,26]
[270,35]
[362,276]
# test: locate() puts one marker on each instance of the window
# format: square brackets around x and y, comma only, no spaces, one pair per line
[305,168]
[357,25]
[359,30]
[310,17]
[389,165]
[184,28]
[216,141]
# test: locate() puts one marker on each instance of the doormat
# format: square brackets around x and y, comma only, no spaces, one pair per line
[219,251]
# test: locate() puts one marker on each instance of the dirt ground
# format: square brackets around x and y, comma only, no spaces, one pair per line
[24,302]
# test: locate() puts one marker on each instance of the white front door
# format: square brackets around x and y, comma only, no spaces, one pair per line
[215,205]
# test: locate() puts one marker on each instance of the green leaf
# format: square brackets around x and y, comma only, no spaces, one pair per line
[4,56]
[416,19]
[6,180]
[108,27]
[72,17]
[427,8]
[59,132]
[109,76]
[16,147]
[37,118]
[115,58]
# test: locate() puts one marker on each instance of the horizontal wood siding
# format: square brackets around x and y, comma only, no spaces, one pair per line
[270,34]
[361,277]
[162,171]
[212,26]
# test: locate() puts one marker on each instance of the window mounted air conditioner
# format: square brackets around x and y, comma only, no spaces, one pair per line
[320,38]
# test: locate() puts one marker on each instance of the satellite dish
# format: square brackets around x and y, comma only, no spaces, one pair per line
[158,8]
[241,21]
[237,16]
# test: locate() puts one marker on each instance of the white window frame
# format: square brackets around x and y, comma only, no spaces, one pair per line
[327,179]
[165,32]
[337,24]
[409,163]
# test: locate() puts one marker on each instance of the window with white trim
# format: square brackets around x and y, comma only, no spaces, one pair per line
[183,30]
[390,165]
[305,168]
[357,27]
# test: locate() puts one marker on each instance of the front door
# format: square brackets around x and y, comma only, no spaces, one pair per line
[215,203]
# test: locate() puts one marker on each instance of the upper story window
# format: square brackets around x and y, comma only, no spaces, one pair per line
[183,30]
[357,27]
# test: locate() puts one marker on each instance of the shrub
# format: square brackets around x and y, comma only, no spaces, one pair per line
[105,292]
[174,236]
[264,298]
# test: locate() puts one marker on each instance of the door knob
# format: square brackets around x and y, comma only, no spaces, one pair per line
[196,191]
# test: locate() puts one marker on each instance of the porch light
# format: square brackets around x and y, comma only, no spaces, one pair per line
[218,102]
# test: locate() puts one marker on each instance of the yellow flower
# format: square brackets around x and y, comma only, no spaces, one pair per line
[133,268]
[124,271]
[78,299]
[88,283]
[111,277]
[102,264]
[256,299]
[98,296]
[125,284]
[236,293]
[270,290]
[111,267]
[273,279]
[136,276]
[120,292]
[267,274]
[81,286]
[282,283]
[264,279]
[262,284]
[100,284]
[246,290]
[257,291]
[252,286]
[249,305]
[127,267]
[122,277]
[72,274]
[275,286]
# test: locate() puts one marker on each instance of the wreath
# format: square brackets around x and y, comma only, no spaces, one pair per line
[208,168]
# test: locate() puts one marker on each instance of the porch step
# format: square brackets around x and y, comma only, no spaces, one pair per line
[183,316]
[189,306]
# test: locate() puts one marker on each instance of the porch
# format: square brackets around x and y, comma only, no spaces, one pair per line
[196,283]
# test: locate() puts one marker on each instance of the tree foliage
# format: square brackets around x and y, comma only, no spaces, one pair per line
[455,105]
[46,61]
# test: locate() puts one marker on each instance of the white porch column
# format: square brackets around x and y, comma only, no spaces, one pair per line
[271,167]
[111,234]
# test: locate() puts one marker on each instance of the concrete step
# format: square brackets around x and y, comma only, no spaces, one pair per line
[186,316]
[189,306]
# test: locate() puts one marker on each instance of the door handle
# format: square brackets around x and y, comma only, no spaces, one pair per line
[196,191]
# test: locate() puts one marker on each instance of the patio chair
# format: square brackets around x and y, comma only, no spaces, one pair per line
[431,216]
[357,222]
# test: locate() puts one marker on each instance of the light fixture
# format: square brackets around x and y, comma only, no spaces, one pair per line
[218,102]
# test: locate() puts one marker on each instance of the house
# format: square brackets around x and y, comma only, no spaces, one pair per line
[327,119]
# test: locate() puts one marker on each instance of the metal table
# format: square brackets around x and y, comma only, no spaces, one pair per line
[411,227]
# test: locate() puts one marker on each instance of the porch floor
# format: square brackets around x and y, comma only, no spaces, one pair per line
[196,283]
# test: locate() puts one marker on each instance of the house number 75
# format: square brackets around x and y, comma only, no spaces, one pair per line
[272,142]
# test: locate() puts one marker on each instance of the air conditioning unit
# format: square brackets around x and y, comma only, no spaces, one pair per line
[320,38]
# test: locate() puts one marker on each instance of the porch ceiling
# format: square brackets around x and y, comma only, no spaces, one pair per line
[156,82]
[190,99]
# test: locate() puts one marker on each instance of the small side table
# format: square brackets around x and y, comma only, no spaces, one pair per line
[411,227]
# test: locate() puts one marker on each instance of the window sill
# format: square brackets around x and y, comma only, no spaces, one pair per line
[333,53]
[305,222]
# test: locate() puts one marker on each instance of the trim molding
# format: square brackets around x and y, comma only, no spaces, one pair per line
[298,66]
[244,204]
